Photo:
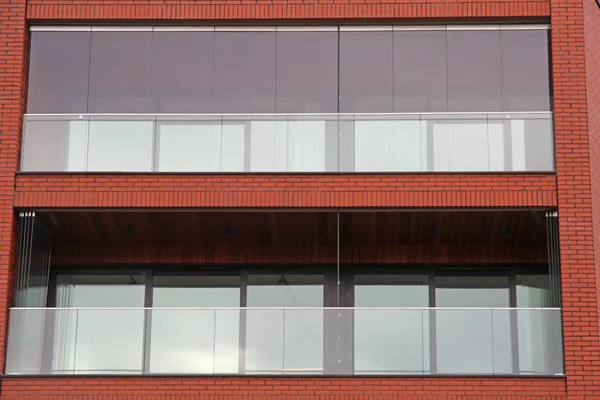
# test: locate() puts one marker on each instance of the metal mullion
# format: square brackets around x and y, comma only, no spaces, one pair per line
[243,322]
[432,325]
[514,321]
[148,300]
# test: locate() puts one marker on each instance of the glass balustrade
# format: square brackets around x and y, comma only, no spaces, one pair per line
[284,341]
[292,143]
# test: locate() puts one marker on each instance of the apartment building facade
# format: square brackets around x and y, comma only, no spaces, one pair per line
[300,198]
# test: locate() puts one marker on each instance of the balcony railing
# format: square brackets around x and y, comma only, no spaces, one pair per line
[292,143]
[333,341]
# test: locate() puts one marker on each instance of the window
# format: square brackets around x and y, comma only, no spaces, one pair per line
[121,72]
[96,339]
[191,339]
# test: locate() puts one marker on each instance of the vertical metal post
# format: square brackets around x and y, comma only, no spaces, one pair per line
[555,364]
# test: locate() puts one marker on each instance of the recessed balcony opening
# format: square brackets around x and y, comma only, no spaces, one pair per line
[288,292]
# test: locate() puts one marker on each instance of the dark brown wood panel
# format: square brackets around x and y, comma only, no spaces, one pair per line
[460,228]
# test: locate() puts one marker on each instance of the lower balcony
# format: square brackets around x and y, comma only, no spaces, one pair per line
[291,292]
[319,341]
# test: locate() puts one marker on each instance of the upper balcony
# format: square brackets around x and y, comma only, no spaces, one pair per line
[321,99]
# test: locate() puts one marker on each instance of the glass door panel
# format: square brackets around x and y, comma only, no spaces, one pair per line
[471,341]
[104,336]
[284,341]
[389,337]
[197,336]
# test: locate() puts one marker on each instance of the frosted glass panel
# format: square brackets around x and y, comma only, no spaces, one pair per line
[306,146]
[189,147]
[120,146]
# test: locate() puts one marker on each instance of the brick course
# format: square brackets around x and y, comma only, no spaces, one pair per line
[277,388]
[286,191]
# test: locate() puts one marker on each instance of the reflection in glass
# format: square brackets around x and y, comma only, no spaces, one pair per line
[192,340]
[391,341]
[473,341]
[294,342]
[98,340]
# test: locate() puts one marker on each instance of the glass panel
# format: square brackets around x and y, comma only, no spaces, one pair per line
[420,71]
[57,144]
[120,146]
[460,348]
[525,70]
[391,341]
[294,342]
[182,72]
[59,68]
[474,71]
[195,341]
[244,72]
[533,291]
[307,67]
[121,72]
[99,341]
[461,145]
[387,145]
[366,74]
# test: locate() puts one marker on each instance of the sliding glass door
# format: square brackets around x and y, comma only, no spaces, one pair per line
[195,324]
[293,341]
[389,336]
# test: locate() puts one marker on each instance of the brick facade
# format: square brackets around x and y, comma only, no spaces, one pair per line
[570,190]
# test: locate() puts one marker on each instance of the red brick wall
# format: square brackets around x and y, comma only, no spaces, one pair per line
[286,191]
[277,388]
[592,51]
[13,64]
[580,301]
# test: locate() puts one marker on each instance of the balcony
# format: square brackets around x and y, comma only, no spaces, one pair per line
[289,143]
[273,341]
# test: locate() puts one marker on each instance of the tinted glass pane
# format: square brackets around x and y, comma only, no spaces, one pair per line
[120,72]
[182,72]
[58,72]
[420,71]
[474,71]
[391,340]
[284,341]
[525,71]
[244,72]
[366,74]
[192,340]
[97,339]
[460,347]
[533,291]
[306,72]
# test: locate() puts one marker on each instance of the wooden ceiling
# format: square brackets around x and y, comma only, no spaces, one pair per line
[285,228]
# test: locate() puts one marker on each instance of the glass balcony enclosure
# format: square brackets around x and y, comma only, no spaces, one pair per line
[429,98]
[379,341]
[289,143]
